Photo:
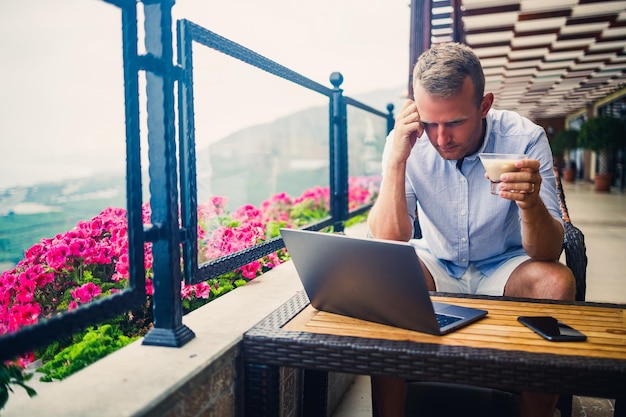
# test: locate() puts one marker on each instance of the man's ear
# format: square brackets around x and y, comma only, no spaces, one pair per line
[486,104]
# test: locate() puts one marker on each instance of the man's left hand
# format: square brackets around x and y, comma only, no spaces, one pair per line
[523,186]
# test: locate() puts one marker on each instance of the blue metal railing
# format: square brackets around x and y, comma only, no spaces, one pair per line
[188,33]
[57,327]
[164,232]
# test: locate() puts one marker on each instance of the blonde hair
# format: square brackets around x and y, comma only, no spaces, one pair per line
[442,69]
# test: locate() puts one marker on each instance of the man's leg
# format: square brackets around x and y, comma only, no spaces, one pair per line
[544,280]
[390,396]
[390,393]
[537,404]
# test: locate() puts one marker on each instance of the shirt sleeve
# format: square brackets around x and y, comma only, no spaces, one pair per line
[540,150]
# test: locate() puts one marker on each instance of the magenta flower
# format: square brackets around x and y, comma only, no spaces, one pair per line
[86,292]
[149,287]
[250,271]
[202,290]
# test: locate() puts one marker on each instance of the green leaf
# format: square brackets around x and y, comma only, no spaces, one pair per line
[13,375]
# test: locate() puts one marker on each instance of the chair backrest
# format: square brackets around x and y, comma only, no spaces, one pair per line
[573,244]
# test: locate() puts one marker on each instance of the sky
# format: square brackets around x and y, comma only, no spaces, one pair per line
[61,107]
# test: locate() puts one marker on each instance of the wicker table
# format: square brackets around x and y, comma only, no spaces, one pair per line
[496,352]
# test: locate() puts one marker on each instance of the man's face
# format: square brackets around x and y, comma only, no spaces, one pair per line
[453,125]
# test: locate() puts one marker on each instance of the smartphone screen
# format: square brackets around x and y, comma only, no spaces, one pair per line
[552,329]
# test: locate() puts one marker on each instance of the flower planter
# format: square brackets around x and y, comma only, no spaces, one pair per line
[602,182]
[569,174]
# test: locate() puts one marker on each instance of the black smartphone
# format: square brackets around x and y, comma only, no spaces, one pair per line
[552,329]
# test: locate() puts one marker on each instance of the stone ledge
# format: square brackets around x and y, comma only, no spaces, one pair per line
[131,381]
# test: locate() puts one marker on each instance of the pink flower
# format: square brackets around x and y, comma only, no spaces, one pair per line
[86,292]
[250,270]
[56,257]
[149,287]
[77,247]
[25,359]
[187,292]
[35,251]
[23,315]
[203,290]
[121,265]
[8,279]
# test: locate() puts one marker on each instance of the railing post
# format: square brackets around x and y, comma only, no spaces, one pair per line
[338,155]
[168,329]
[186,138]
[390,118]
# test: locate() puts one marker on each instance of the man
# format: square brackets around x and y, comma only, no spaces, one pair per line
[473,242]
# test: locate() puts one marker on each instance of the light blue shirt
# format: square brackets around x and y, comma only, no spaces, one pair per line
[462,222]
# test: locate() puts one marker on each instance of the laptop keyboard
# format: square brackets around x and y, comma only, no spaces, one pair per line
[444,320]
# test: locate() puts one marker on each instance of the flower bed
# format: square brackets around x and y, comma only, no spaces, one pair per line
[91,261]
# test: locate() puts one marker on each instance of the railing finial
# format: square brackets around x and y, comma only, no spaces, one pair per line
[390,117]
[336,79]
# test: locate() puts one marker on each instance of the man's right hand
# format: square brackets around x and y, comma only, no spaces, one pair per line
[389,217]
[407,129]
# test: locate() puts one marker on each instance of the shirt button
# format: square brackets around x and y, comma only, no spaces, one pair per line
[463,240]
[462,212]
[464,260]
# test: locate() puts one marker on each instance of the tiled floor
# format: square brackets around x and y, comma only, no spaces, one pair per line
[602,219]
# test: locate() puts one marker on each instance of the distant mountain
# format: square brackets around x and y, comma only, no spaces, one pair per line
[291,153]
[56,196]
[28,214]
[288,155]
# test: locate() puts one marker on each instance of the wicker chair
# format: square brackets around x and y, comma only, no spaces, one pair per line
[432,399]
[573,245]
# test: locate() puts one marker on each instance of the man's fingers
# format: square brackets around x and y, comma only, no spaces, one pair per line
[420,129]
[532,164]
[409,121]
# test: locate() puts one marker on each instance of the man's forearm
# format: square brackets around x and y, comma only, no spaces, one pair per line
[542,234]
[389,217]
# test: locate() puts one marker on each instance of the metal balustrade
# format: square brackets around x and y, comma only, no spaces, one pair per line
[55,328]
[164,233]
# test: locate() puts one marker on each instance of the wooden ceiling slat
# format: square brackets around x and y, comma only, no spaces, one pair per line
[525,16]
[491,10]
[578,58]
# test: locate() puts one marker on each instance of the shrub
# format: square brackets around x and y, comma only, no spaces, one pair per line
[602,133]
[564,141]
[95,344]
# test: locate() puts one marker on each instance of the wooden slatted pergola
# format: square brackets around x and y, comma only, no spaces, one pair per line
[543,59]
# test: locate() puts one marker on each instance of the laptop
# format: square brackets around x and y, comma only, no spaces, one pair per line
[371,279]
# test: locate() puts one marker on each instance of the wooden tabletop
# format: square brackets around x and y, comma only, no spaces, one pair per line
[496,352]
[605,328]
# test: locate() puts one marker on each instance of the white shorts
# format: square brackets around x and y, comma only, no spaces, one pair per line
[472,281]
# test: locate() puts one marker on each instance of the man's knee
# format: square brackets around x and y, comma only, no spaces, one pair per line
[546,280]
[564,282]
